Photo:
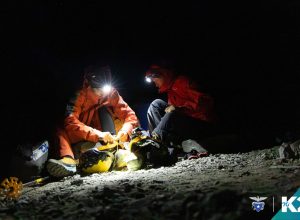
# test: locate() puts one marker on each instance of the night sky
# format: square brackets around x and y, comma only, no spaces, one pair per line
[244,53]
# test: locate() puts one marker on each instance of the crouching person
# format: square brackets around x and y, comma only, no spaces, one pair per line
[98,114]
[188,113]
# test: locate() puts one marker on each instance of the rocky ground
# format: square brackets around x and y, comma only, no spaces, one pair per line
[210,188]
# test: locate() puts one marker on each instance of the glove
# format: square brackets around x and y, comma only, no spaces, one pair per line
[122,136]
[170,108]
[106,137]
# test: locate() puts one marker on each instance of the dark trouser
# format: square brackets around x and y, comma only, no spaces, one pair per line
[174,126]
[107,124]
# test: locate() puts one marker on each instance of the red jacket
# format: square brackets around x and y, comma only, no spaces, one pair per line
[82,118]
[184,95]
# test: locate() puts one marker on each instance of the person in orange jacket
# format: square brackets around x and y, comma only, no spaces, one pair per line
[188,113]
[95,114]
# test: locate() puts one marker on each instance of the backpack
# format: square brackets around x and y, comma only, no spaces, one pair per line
[151,152]
[28,161]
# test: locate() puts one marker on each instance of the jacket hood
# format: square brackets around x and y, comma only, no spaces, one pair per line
[96,76]
[166,74]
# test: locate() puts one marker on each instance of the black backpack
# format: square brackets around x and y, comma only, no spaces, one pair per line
[151,152]
[28,161]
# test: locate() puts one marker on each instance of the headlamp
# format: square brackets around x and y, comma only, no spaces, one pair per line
[99,78]
[106,88]
[149,77]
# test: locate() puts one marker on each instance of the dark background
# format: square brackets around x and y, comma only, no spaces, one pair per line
[244,53]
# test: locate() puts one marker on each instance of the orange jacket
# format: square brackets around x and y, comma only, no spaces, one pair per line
[82,118]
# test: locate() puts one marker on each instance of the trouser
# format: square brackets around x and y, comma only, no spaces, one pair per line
[174,127]
[107,123]
[67,148]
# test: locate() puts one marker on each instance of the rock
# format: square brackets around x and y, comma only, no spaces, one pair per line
[220,167]
[138,195]
[216,182]
[77,182]
[190,209]
[158,181]
[289,150]
[187,190]
[128,187]
[160,196]
[247,173]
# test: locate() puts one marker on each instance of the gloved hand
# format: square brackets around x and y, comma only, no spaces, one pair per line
[122,136]
[106,137]
[170,108]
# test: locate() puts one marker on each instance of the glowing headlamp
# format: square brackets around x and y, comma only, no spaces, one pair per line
[106,88]
[149,77]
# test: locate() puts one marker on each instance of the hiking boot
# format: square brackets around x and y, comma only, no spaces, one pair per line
[156,137]
[61,168]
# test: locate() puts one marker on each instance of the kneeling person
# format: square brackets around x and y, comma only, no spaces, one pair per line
[97,112]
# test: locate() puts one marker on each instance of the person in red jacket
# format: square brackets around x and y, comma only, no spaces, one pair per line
[96,114]
[188,113]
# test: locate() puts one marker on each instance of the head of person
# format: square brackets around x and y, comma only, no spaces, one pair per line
[99,79]
[162,77]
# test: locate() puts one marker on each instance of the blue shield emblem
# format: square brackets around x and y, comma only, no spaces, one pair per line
[258,206]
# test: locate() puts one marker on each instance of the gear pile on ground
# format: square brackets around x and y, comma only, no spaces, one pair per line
[213,187]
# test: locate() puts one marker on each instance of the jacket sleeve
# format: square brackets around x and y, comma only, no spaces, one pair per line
[75,128]
[122,111]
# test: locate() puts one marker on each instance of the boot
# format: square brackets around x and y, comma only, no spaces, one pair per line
[62,168]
